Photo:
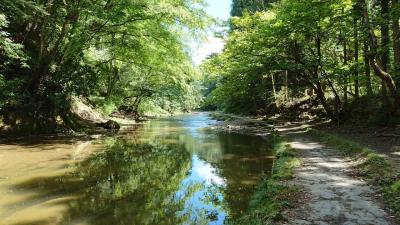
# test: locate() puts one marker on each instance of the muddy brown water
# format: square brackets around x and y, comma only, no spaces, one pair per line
[168,171]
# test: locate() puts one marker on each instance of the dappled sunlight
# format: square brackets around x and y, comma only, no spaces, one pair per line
[396,153]
[305,146]
[335,194]
[317,174]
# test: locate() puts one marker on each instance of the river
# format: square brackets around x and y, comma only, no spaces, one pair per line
[168,171]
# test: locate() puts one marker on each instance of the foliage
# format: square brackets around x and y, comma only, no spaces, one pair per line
[240,6]
[12,53]
[297,50]
[121,53]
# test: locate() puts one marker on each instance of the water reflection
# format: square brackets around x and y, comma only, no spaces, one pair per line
[130,183]
[170,171]
[228,165]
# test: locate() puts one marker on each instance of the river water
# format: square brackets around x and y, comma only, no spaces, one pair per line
[167,171]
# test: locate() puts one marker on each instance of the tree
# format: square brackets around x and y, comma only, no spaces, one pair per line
[395,37]
[310,47]
[380,70]
[62,39]
[252,6]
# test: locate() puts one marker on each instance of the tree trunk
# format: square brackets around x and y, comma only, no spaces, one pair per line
[344,41]
[356,55]
[286,86]
[345,95]
[110,78]
[385,45]
[396,41]
[379,71]
[274,90]
[318,69]
[367,70]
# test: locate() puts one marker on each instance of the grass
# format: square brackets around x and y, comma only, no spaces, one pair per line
[372,166]
[274,194]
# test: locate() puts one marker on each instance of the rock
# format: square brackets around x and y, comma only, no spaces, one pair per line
[96,136]
[86,112]
[395,149]
[110,125]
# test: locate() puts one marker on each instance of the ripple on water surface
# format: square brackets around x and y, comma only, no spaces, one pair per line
[169,171]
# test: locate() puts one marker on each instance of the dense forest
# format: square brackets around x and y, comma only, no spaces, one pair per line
[111,113]
[337,59]
[128,55]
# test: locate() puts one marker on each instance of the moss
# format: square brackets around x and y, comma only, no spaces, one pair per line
[274,195]
[374,167]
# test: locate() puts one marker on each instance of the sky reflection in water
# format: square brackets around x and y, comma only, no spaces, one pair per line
[169,171]
[209,169]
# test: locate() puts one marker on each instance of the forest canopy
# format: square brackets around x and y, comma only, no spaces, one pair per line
[338,59]
[127,55]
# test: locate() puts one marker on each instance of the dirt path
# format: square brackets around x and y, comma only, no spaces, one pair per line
[384,140]
[332,195]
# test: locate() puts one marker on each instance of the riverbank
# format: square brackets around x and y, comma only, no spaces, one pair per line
[339,181]
[240,124]
[84,121]
[86,134]
[275,194]
[207,175]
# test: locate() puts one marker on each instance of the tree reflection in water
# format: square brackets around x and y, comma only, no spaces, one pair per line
[162,173]
[129,183]
[135,183]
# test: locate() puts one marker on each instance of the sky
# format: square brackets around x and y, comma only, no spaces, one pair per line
[221,10]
